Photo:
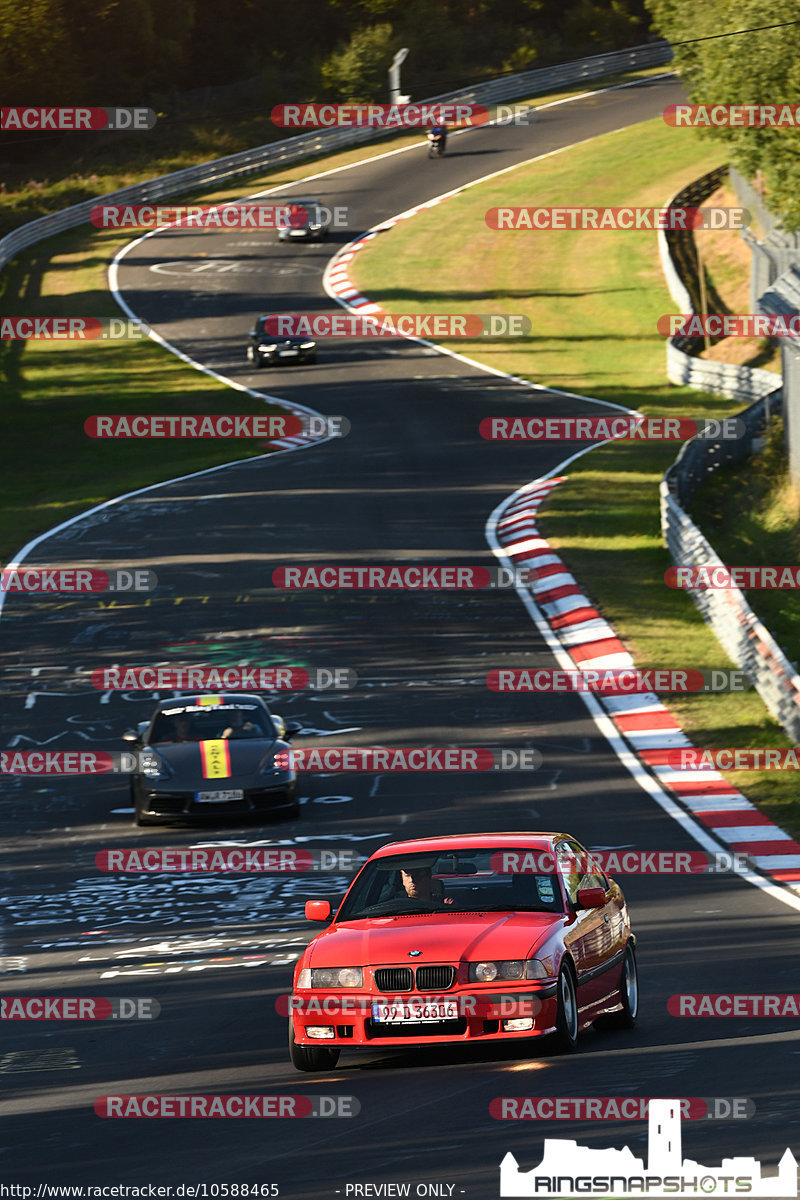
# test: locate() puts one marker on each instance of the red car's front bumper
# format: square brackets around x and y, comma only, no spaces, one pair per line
[481,1015]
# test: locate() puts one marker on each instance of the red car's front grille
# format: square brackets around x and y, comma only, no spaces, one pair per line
[394,979]
[402,979]
[435,979]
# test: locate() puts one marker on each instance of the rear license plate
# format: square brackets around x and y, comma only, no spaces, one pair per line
[414,1011]
[288,353]
[219,797]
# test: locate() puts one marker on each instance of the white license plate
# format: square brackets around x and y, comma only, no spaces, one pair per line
[219,797]
[414,1011]
[288,353]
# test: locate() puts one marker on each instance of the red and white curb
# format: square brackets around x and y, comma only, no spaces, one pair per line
[642,720]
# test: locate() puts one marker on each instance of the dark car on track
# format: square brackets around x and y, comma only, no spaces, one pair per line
[264,349]
[471,938]
[207,755]
[309,221]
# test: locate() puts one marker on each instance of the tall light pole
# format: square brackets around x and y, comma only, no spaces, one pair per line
[394,78]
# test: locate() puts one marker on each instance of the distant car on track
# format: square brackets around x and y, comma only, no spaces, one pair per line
[465,939]
[314,217]
[263,349]
[209,755]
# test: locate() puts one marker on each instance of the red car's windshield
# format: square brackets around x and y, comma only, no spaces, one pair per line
[453,881]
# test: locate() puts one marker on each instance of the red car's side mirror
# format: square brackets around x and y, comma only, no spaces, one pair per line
[587,898]
[318,910]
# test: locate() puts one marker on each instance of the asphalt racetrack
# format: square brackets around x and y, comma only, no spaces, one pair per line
[412,482]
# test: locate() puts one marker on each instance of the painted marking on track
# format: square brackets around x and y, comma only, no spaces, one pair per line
[62,1059]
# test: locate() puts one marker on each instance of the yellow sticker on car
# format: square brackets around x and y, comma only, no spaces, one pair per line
[216,759]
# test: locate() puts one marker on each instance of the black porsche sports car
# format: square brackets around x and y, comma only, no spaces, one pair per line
[205,756]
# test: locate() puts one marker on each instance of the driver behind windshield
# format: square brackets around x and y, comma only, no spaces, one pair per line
[241,728]
[419,884]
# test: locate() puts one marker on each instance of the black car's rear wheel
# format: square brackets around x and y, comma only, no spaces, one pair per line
[566,1036]
[311,1058]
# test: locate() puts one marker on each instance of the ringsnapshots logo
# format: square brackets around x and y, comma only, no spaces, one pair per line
[568,1170]
[394,325]
[622,428]
[619,218]
[69,580]
[76,120]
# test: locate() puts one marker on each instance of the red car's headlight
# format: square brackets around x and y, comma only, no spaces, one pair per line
[330,977]
[515,968]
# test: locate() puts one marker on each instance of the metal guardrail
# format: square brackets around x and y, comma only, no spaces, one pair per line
[317,142]
[680,264]
[745,639]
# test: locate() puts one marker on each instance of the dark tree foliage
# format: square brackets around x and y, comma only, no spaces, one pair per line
[154,52]
[747,68]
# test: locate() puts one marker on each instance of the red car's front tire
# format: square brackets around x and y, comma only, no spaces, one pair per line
[566,1035]
[311,1058]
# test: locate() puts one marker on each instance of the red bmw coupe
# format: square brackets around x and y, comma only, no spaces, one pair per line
[473,938]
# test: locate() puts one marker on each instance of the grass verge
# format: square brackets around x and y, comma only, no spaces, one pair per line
[594,299]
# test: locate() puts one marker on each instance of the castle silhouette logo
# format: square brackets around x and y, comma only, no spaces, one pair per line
[568,1170]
